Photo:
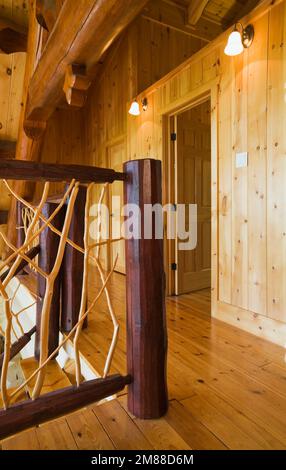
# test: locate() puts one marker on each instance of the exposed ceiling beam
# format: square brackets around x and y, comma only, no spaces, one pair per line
[85,29]
[174,16]
[247,8]
[13,37]
[47,12]
[7,149]
[195,10]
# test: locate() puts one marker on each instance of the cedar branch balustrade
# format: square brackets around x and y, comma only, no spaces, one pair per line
[58,234]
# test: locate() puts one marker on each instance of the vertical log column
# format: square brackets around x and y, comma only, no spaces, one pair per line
[72,270]
[49,243]
[145,287]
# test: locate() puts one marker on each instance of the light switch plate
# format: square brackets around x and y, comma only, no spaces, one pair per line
[241,159]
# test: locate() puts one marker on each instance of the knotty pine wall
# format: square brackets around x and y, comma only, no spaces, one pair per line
[141,56]
[248,114]
[12,69]
[248,204]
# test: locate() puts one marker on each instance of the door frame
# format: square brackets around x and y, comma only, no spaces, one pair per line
[170,180]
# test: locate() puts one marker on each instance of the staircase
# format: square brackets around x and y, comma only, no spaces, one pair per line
[57,434]
[55,379]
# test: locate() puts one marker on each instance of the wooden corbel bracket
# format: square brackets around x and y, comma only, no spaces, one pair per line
[76,85]
[34,129]
[13,38]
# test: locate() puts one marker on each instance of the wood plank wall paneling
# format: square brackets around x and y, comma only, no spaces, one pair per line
[12,69]
[248,109]
[276,168]
[251,201]
[163,53]
[64,143]
[239,184]
[257,183]
[225,191]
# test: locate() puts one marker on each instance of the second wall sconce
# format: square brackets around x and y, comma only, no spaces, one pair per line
[135,107]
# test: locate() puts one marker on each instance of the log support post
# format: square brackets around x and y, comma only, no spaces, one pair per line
[20,224]
[145,284]
[49,243]
[72,269]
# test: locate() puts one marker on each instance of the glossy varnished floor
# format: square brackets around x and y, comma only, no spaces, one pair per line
[227,388]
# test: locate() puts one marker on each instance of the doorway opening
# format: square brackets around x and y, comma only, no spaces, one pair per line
[190,156]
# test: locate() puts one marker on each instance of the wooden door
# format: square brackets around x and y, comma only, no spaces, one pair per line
[117,156]
[193,158]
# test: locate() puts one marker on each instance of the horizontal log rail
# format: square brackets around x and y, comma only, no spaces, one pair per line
[31,254]
[53,405]
[19,345]
[32,171]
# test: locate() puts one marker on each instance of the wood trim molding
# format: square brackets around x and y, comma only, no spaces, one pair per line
[258,325]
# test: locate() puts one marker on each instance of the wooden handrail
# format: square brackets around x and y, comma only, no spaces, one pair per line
[53,405]
[32,171]
[30,254]
[17,347]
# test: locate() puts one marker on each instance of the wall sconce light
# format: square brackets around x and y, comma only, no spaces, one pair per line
[145,104]
[135,107]
[238,41]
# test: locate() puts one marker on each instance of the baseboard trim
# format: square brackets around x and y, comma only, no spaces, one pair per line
[258,325]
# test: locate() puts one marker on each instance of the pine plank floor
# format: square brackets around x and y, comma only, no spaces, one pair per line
[227,388]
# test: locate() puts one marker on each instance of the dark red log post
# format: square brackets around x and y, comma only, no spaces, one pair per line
[20,225]
[72,269]
[145,287]
[49,243]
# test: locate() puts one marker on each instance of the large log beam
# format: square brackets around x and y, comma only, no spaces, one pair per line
[53,405]
[13,37]
[85,29]
[47,12]
[32,171]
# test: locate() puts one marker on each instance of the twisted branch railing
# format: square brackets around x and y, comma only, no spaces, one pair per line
[146,340]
